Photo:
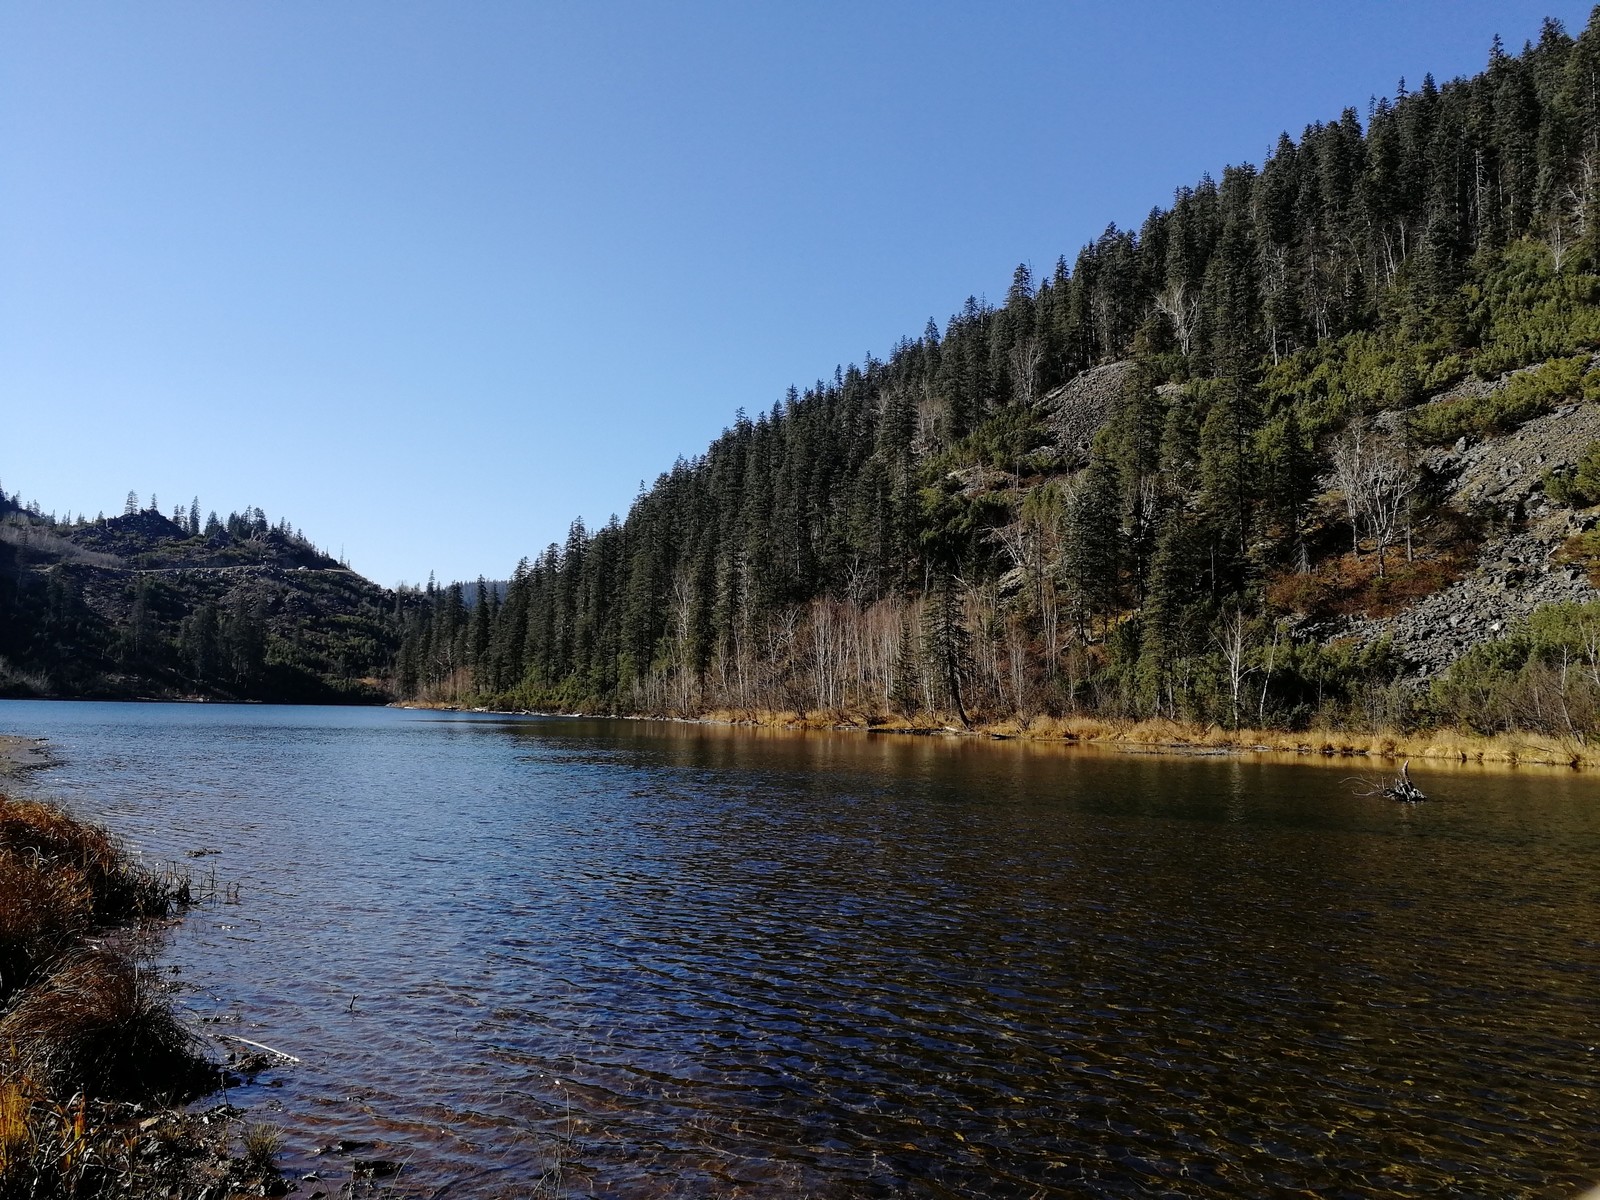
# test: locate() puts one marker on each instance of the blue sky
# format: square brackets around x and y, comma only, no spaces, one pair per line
[433,279]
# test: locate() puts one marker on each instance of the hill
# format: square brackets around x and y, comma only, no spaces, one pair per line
[150,606]
[1314,446]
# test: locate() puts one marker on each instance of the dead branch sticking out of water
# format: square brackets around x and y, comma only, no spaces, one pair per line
[1399,788]
[228,1037]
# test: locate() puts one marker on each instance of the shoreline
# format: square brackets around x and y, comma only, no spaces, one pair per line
[1157,737]
[101,1081]
[21,755]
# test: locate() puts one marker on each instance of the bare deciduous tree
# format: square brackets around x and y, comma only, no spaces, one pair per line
[1232,639]
[1180,306]
[1026,355]
[1378,480]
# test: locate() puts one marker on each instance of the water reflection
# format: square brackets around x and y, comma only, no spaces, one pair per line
[681,960]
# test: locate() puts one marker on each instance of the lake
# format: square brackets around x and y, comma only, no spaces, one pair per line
[551,956]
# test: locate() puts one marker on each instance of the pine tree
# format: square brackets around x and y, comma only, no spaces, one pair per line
[947,646]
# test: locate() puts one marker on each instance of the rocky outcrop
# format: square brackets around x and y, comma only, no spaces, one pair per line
[1081,406]
[1517,570]
[131,533]
[1515,574]
[1505,474]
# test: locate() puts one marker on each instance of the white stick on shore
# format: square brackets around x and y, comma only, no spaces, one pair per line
[229,1037]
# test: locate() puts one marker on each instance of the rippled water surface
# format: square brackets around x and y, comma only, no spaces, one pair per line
[572,957]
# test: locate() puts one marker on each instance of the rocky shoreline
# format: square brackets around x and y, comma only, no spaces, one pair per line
[19,755]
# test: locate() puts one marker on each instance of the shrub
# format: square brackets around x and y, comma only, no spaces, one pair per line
[1543,676]
[262,1143]
[1578,486]
[1524,395]
[96,1025]
[1523,311]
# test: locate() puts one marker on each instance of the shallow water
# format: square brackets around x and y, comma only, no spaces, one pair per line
[576,957]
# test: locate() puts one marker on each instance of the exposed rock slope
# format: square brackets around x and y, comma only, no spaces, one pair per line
[1080,407]
[1518,567]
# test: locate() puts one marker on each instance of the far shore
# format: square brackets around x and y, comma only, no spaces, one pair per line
[1158,736]
[23,755]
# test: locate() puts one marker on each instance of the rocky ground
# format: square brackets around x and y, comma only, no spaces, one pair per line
[1515,574]
[1501,480]
[1080,407]
[1496,481]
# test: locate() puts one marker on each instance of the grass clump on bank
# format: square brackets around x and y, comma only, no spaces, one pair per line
[89,1047]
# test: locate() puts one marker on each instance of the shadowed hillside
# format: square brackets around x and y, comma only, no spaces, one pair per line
[146,605]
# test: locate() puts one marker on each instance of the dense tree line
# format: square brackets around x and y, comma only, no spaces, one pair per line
[912,535]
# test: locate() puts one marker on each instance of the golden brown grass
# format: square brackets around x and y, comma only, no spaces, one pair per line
[96,1025]
[262,1143]
[1519,749]
[86,1038]
[54,841]
[1350,586]
[60,878]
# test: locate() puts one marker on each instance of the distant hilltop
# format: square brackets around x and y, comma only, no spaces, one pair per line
[143,604]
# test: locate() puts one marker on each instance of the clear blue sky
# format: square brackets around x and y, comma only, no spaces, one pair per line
[431,279]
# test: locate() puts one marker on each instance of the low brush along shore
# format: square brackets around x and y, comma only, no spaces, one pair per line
[1509,749]
[1444,745]
[94,1065]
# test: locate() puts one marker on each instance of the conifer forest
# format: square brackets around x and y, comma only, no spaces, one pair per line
[1201,471]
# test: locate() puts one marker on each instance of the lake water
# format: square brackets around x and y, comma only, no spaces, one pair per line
[575,957]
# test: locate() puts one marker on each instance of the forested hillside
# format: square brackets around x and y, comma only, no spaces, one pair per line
[1198,472]
[147,605]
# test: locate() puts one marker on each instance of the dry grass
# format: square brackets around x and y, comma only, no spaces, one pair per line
[1519,749]
[87,1041]
[17,530]
[1584,550]
[262,1143]
[51,840]
[43,911]
[1438,744]
[96,1025]
[1351,586]
[83,1149]
[60,878]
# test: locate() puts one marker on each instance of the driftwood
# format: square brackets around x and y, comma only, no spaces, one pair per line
[1401,789]
[228,1037]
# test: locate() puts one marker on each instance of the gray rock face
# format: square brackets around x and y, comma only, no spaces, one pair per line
[1500,477]
[1080,407]
[1506,472]
[1514,576]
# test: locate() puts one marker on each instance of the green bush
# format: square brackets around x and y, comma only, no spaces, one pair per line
[1523,311]
[1577,486]
[1544,676]
[1523,396]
